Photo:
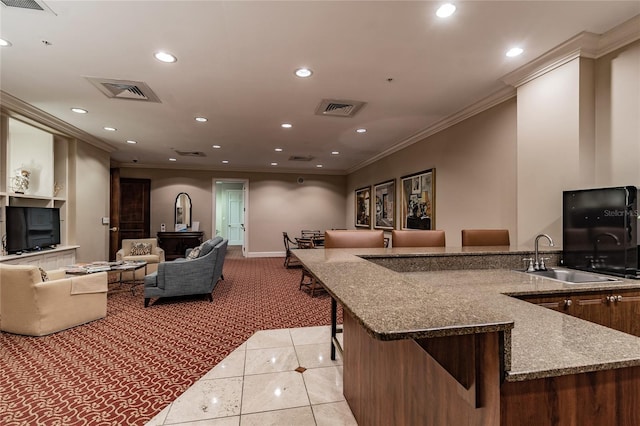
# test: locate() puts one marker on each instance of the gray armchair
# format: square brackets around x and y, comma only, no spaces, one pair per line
[184,277]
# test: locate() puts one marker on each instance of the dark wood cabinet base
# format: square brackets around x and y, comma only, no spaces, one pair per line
[175,244]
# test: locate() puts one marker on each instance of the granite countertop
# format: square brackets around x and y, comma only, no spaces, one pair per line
[539,342]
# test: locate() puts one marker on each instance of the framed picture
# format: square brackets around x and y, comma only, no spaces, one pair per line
[418,203]
[385,206]
[363,207]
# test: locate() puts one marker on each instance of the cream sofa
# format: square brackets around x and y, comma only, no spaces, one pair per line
[153,259]
[34,307]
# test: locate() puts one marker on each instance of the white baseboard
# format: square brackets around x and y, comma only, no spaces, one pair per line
[266,254]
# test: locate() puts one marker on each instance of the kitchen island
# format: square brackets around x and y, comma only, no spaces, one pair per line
[445,339]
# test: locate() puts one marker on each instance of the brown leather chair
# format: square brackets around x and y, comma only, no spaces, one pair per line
[431,238]
[485,237]
[354,239]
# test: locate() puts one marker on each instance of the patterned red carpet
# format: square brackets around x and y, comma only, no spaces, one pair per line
[124,369]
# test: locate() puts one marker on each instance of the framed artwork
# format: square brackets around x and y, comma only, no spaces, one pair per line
[385,206]
[363,207]
[418,204]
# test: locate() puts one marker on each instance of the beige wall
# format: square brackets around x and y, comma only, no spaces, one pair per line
[91,202]
[276,202]
[618,119]
[475,163]
[578,127]
[548,149]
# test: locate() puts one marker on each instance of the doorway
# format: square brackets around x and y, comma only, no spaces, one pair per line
[230,198]
[130,206]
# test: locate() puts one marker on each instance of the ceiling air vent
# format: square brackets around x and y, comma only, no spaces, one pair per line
[300,158]
[24,4]
[338,108]
[191,153]
[124,89]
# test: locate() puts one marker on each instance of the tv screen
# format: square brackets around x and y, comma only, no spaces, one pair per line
[32,228]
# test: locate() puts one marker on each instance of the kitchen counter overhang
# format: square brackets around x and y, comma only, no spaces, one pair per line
[458,300]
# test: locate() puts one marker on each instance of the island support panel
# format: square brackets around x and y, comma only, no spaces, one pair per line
[399,382]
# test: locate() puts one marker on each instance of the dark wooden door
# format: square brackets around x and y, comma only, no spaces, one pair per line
[130,210]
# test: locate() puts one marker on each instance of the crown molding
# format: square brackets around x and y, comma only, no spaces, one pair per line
[20,110]
[623,34]
[484,104]
[583,45]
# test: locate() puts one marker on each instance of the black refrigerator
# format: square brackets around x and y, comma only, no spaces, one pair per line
[600,230]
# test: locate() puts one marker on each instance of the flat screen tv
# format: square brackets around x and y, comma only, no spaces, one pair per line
[32,228]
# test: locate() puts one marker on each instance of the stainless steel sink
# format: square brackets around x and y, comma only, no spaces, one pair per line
[572,276]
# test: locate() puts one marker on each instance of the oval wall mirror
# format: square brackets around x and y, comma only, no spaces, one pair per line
[183,209]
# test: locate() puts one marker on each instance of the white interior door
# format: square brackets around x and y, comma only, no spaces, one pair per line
[236,217]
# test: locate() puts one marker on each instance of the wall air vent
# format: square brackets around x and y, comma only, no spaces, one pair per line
[191,153]
[338,108]
[300,158]
[124,89]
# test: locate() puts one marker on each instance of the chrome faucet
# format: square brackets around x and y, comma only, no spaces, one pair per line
[539,263]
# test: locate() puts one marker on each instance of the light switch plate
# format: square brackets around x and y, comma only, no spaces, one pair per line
[105,220]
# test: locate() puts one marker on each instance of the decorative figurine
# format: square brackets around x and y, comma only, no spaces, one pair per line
[21,181]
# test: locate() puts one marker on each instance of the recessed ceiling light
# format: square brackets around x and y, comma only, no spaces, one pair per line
[286,125]
[79,110]
[318,165]
[201,119]
[216,146]
[225,161]
[304,72]
[132,142]
[4,43]
[274,164]
[514,51]
[335,152]
[165,57]
[110,129]
[278,150]
[445,10]
[361,130]
[172,159]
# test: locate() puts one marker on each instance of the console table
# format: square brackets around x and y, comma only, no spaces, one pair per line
[175,244]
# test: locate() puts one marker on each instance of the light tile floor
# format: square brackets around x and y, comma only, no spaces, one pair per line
[257,384]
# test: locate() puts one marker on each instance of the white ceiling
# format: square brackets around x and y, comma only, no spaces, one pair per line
[236,62]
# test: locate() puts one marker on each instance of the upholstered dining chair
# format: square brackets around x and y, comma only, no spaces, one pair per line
[342,239]
[485,237]
[353,239]
[418,238]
